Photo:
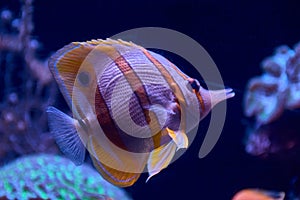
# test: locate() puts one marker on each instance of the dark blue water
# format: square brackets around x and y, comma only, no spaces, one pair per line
[237,34]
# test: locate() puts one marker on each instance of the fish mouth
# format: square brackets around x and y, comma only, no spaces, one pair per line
[229,93]
[218,96]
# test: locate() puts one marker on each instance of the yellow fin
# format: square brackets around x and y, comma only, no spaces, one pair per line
[108,42]
[66,62]
[179,137]
[64,65]
[160,158]
[116,177]
[117,167]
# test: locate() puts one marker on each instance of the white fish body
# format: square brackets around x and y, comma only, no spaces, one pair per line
[132,108]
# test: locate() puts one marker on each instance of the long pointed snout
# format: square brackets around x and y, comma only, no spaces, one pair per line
[217,96]
[210,98]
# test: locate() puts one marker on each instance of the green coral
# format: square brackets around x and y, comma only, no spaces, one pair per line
[54,177]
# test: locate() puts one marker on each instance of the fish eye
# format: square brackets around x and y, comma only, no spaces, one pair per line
[84,78]
[195,85]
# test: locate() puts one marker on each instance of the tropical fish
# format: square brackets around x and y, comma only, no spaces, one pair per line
[257,194]
[131,107]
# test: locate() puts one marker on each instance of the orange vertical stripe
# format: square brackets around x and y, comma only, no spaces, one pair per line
[137,86]
[167,76]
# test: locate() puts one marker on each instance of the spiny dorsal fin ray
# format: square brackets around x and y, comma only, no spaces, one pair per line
[108,41]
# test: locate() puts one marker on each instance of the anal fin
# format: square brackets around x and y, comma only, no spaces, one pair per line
[113,165]
[114,176]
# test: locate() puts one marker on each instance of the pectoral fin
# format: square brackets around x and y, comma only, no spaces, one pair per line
[160,158]
[161,114]
[179,137]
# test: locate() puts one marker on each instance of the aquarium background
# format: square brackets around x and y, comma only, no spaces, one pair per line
[238,35]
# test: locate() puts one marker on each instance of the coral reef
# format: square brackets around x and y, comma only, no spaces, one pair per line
[27,88]
[45,176]
[279,139]
[273,99]
[277,89]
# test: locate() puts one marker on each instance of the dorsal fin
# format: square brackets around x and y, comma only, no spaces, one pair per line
[108,41]
[64,65]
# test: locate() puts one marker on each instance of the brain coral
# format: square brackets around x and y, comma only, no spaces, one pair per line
[45,176]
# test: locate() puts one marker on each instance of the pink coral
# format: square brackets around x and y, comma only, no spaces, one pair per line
[275,132]
[277,89]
